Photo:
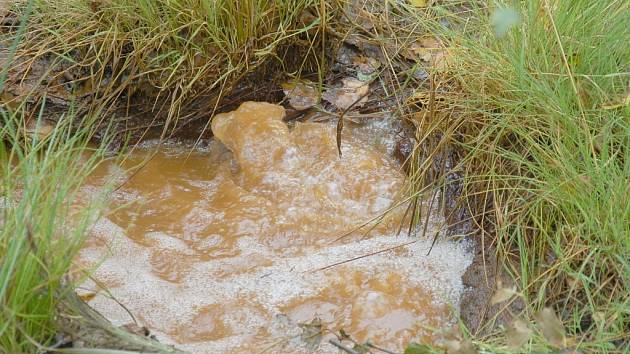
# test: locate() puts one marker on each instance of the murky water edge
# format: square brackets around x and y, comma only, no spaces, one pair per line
[230,247]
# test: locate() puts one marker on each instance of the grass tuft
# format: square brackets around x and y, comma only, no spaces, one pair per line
[544,153]
[41,231]
[159,56]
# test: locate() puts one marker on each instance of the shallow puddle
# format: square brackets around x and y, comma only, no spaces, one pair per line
[238,245]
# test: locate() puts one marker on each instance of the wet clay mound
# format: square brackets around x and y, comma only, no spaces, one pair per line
[222,249]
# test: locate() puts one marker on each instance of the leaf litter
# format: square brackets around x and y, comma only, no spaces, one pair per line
[518,333]
[429,50]
[302,95]
[353,92]
[551,327]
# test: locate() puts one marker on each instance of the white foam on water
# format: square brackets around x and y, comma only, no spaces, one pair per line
[271,286]
[213,263]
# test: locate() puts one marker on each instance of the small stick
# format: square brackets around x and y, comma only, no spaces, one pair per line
[366,255]
[340,122]
[111,296]
[342,347]
[379,348]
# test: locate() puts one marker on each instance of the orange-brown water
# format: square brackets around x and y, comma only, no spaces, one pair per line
[218,249]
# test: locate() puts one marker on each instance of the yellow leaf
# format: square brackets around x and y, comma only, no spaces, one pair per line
[551,327]
[419,3]
[618,103]
[502,295]
[518,333]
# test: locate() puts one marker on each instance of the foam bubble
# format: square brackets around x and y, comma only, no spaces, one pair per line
[218,251]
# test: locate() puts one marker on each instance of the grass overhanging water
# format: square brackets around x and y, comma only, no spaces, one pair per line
[176,50]
[168,54]
[536,115]
[543,140]
[38,240]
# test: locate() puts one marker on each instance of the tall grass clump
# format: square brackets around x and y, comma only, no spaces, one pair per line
[161,55]
[540,117]
[40,172]
[44,220]
[40,231]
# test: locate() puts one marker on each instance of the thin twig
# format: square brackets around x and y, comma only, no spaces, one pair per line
[112,297]
[379,348]
[342,347]
[366,255]
[340,121]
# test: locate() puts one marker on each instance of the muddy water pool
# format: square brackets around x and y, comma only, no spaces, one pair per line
[232,246]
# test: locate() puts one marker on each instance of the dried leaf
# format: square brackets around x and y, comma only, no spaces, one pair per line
[518,333]
[430,43]
[551,327]
[312,334]
[39,129]
[425,48]
[302,95]
[429,50]
[353,92]
[460,346]
[502,295]
[619,102]
[366,66]
[419,3]
[441,59]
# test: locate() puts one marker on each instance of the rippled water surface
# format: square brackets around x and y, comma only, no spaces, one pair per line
[221,249]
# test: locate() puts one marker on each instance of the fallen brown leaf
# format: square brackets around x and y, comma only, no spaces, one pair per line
[430,50]
[301,95]
[353,92]
[39,129]
[551,327]
[518,333]
[502,294]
